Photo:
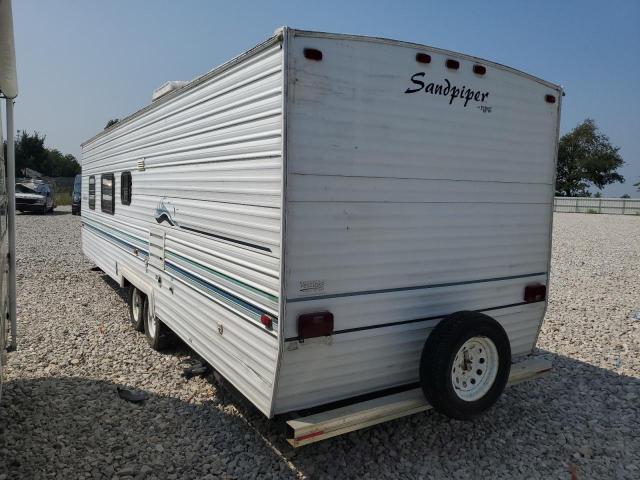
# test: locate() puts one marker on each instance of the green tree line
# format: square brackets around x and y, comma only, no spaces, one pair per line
[32,153]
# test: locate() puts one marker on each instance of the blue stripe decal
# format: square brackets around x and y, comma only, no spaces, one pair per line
[109,230]
[407,289]
[220,294]
[110,236]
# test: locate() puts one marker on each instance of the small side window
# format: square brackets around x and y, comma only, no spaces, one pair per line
[125,188]
[92,192]
[106,193]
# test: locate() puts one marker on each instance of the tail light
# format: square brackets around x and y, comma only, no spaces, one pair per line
[535,293]
[319,324]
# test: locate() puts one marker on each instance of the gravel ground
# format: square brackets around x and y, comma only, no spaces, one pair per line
[61,416]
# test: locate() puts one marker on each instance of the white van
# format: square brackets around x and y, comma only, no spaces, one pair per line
[335,218]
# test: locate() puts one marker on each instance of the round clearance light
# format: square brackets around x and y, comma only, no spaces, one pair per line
[453,64]
[479,69]
[313,54]
[423,58]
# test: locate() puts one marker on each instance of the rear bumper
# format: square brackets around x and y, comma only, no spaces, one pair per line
[29,207]
[313,428]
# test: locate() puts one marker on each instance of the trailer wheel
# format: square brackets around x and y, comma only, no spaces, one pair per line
[465,365]
[158,335]
[136,308]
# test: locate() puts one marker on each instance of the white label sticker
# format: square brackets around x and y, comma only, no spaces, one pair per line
[311,286]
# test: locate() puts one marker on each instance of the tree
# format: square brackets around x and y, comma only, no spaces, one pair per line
[637,185]
[111,122]
[597,195]
[32,153]
[586,159]
[626,195]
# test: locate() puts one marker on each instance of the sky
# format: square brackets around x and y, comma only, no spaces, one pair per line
[81,63]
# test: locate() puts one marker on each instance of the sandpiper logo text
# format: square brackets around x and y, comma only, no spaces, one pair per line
[446,89]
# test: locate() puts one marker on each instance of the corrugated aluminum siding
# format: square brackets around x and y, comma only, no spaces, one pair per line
[213,160]
[402,207]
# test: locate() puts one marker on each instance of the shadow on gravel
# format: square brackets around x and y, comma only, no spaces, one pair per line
[80,426]
[579,414]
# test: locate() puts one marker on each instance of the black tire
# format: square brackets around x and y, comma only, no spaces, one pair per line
[159,337]
[136,308]
[437,376]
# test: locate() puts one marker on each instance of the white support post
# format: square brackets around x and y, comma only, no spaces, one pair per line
[11,222]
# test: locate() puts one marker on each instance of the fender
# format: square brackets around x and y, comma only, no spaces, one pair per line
[138,280]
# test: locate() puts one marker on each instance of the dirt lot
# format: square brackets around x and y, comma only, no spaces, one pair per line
[61,416]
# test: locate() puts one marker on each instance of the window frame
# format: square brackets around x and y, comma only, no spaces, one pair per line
[107,206]
[126,184]
[92,192]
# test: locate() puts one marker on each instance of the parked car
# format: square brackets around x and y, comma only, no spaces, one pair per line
[35,196]
[75,196]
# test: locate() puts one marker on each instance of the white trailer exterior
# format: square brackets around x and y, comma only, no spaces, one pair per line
[389,183]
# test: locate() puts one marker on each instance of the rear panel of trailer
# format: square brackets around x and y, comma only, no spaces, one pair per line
[404,205]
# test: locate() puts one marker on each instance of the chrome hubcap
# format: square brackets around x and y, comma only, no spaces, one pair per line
[152,324]
[475,368]
[137,304]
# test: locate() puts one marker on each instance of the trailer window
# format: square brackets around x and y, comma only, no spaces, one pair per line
[106,193]
[125,188]
[92,192]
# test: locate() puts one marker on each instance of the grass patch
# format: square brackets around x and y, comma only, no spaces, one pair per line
[63,196]
[593,211]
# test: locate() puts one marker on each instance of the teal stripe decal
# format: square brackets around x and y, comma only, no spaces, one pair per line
[221,275]
[113,238]
[222,295]
[106,228]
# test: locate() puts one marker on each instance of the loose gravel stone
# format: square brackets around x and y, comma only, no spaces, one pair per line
[61,416]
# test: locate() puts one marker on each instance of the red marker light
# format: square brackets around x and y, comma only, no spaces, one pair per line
[267,321]
[453,64]
[313,54]
[550,99]
[479,69]
[423,58]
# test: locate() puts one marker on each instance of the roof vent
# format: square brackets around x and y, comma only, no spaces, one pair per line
[167,87]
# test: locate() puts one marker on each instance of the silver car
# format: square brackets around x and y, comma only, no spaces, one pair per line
[34,196]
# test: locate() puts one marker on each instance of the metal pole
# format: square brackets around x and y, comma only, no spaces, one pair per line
[11,192]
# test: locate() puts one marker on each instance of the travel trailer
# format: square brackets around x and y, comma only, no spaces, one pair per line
[348,229]
[8,92]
